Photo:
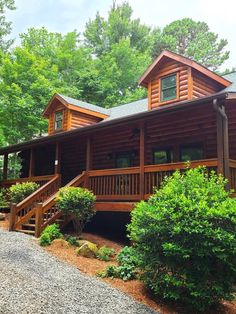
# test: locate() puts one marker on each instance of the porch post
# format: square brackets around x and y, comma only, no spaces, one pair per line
[32,163]
[57,168]
[222,141]
[142,158]
[88,160]
[5,167]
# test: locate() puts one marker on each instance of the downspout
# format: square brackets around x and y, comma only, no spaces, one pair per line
[222,139]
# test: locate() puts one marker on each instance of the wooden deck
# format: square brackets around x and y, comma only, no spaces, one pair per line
[116,190]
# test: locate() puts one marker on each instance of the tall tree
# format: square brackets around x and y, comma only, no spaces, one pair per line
[194,40]
[5,26]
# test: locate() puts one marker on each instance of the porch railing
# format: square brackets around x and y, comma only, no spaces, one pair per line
[124,184]
[41,180]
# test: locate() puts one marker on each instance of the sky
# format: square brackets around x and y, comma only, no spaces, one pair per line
[68,15]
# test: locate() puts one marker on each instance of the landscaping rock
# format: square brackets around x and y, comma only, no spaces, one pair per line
[2,216]
[60,243]
[87,249]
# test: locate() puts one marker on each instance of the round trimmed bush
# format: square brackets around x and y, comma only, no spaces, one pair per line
[185,239]
[19,191]
[78,202]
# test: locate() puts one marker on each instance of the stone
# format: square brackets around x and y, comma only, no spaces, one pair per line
[87,249]
[60,243]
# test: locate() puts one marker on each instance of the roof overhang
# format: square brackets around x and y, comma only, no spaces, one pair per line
[55,97]
[176,57]
[184,105]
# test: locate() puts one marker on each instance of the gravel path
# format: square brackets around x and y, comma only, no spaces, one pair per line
[32,281]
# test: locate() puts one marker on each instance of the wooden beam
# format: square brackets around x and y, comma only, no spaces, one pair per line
[114,206]
[32,163]
[57,168]
[142,158]
[226,147]
[88,154]
[5,167]
[220,148]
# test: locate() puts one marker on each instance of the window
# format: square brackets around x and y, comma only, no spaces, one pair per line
[162,156]
[191,152]
[124,160]
[58,120]
[168,88]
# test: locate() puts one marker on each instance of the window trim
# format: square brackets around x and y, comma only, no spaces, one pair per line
[55,113]
[162,102]
[130,154]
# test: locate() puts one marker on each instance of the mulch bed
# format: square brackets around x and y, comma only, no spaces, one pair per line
[134,288]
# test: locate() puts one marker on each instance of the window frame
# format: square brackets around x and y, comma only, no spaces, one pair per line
[193,145]
[55,120]
[168,149]
[129,154]
[164,101]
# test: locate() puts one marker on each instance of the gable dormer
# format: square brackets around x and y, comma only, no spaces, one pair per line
[65,113]
[173,78]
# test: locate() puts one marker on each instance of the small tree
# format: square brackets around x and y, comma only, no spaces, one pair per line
[20,191]
[78,202]
[185,237]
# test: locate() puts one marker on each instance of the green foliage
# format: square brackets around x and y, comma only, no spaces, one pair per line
[185,239]
[5,26]
[77,201]
[20,191]
[105,253]
[73,241]
[49,234]
[4,197]
[194,40]
[127,268]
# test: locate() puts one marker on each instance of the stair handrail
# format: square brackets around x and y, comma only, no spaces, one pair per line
[30,202]
[50,202]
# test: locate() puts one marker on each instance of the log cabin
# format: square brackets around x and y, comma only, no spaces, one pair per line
[122,153]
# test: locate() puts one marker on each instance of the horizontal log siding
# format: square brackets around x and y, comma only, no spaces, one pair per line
[79,119]
[65,118]
[203,86]
[168,68]
[73,156]
[231,113]
[121,139]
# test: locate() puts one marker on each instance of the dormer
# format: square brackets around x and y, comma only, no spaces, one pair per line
[65,113]
[173,78]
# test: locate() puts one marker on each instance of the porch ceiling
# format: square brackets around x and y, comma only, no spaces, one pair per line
[116,122]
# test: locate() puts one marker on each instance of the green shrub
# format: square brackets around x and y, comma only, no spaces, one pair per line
[79,202]
[185,238]
[72,241]
[105,253]
[49,234]
[4,197]
[127,268]
[20,191]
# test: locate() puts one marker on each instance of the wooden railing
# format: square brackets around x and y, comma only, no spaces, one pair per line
[41,180]
[23,211]
[47,212]
[124,184]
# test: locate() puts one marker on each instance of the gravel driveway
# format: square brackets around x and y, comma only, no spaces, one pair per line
[32,281]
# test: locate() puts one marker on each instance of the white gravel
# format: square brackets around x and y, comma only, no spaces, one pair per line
[32,282]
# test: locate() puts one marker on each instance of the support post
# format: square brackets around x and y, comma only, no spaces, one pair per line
[12,219]
[32,163]
[5,167]
[38,219]
[142,158]
[57,168]
[88,160]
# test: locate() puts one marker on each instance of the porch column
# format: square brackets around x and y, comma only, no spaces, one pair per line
[5,167]
[57,168]
[142,158]
[222,140]
[32,163]
[88,160]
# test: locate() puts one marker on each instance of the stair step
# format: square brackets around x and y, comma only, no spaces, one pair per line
[26,231]
[28,225]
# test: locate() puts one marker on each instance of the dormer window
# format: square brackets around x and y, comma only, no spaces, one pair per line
[58,120]
[168,87]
